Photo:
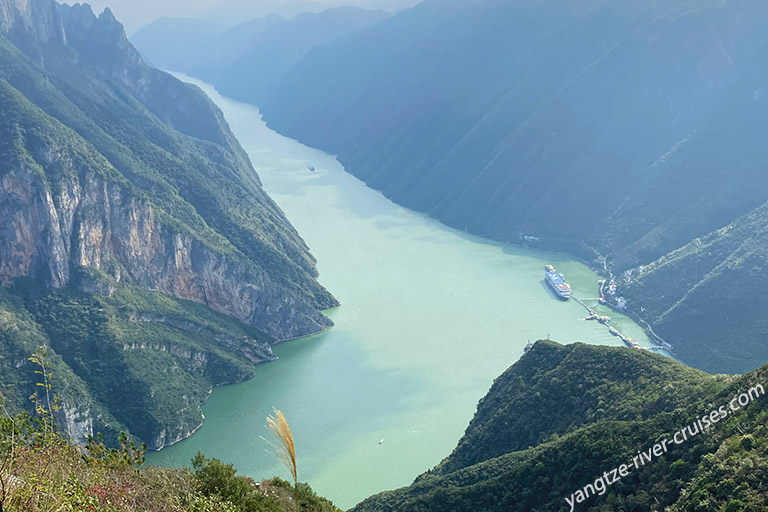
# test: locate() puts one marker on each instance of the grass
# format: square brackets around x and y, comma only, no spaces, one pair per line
[286,448]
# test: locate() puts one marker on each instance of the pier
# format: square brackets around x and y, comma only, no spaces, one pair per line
[603,319]
[581,301]
[593,315]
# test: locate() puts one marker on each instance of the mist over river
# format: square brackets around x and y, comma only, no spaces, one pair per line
[429,317]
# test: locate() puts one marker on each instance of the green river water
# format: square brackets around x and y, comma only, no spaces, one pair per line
[429,317]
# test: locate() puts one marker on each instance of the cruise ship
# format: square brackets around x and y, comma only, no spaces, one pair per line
[556,281]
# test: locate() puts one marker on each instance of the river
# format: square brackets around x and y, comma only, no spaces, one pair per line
[429,317]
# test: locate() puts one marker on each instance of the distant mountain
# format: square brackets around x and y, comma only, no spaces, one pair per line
[239,10]
[176,43]
[564,416]
[136,242]
[623,129]
[246,61]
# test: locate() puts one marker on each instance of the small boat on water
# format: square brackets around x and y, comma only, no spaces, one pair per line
[381,441]
[311,168]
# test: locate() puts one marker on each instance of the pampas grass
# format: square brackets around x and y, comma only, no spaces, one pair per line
[286,450]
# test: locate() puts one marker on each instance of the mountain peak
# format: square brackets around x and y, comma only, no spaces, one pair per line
[82,18]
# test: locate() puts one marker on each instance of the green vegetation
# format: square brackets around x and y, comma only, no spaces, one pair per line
[215,478]
[707,297]
[619,385]
[563,415]
[122,193]
[112,353]
[40,472]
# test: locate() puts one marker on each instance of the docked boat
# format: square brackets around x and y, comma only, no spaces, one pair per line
[528,347]
[630,342]
[556,281]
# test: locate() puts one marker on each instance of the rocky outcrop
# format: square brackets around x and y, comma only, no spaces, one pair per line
[249,348]
[33,19]
[169,436]
[102,43]
[60,213]
[77,422]
[50,229]
[31,243]
[136,241]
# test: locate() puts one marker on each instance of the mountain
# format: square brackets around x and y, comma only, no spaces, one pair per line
[239,10]
[245,62]
[564,416]
[136,242]
[606,129]
[175,43]
[709,296]
[706,297]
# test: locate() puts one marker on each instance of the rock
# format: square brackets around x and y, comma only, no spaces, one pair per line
[97,224]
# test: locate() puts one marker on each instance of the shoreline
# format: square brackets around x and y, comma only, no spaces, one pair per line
[210,391]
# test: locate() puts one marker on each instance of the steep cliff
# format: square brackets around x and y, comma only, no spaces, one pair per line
[124,195]
[31,21]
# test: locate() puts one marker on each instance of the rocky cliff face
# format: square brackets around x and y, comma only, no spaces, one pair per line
[136,241]
[32,19]
[96,223]
[77,422]
[251,349]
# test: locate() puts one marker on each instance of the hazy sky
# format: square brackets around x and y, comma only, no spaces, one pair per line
[136,13]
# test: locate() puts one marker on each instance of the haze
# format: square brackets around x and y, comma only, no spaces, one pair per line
[136,13]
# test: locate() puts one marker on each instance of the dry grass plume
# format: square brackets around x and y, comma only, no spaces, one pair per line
[286,449]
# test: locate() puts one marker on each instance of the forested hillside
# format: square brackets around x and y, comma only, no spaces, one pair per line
[41,472]
[563,416]
[709,296]
[136,240]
